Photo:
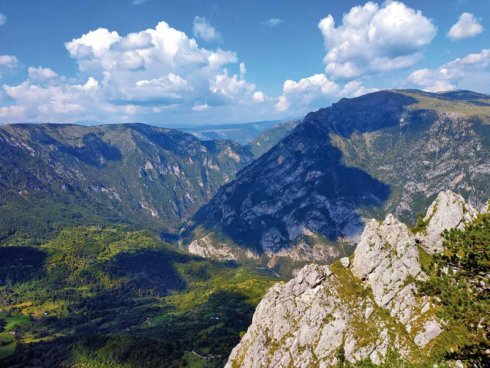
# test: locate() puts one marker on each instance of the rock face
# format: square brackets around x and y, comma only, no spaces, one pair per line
[448,211]
[386,152]
[366,305]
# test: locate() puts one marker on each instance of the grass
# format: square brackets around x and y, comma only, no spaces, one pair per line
[14,321]
[451,106]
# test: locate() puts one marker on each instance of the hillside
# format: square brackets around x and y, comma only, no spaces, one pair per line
[270,137]
[54,175]
[394,303]
[112,297]
[308,197]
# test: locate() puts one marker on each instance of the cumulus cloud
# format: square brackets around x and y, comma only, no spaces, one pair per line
[466,26]
[3,19]
[7,62]
[204,30]
[306,92]
[374,38]
[272,22]
[469,72]
[35,102]
[355,88]
[156,70]
[315,92]
[41,74]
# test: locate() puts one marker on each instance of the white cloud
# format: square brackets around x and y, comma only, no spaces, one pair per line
[138,2]
[306,92]
[7,62]
[3,19]
[272,22]
[204,30]
[200,107]
[260,96]
[375,38]
[40,103]
[315,92]
[466,26]
[470,72]
[40,74]
[355,88]
[137,75]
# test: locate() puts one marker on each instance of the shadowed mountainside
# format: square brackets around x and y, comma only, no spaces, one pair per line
[54,175]
[361,157]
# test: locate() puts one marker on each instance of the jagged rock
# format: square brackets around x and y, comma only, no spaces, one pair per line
[386,257]
[345,261]
[205,247]
[448,211]
[208,247]
[304,322]
[431,330]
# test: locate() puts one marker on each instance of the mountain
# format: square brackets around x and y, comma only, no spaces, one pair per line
[270,137]
[243,133]
[97,296]
[385,152]
[53,175]
[394,303]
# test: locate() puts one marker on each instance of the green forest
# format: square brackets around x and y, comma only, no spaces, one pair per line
[112,297]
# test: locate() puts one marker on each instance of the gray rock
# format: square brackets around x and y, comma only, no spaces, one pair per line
[304,322]
[345,261]
[448,211]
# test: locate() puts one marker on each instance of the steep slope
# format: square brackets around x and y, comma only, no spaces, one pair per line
[269,138]
[364,308]
[67,174]
[389,151]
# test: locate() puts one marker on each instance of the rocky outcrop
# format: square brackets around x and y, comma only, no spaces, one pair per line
[209,247]
[205,247]
[365,305]
[448,211]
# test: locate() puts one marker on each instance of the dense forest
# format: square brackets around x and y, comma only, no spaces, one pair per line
[112,297]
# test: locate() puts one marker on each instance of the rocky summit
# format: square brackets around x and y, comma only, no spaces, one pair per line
[309,196]
[360,308]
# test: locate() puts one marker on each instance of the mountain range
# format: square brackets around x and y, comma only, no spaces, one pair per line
[52,175]
[130,245]
[308,197]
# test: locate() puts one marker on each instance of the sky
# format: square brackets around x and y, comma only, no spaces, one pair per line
[178,62]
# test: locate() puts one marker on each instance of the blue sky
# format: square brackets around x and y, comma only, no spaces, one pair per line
[173,62]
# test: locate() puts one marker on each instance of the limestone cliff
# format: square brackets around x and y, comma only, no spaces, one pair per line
[364,306]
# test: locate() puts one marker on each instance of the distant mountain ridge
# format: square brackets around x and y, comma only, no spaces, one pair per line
[242,133]
[131,173]
[270,137]
[389,151]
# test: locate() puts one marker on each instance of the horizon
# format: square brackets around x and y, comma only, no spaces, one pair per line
[228,125]
[189,63]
